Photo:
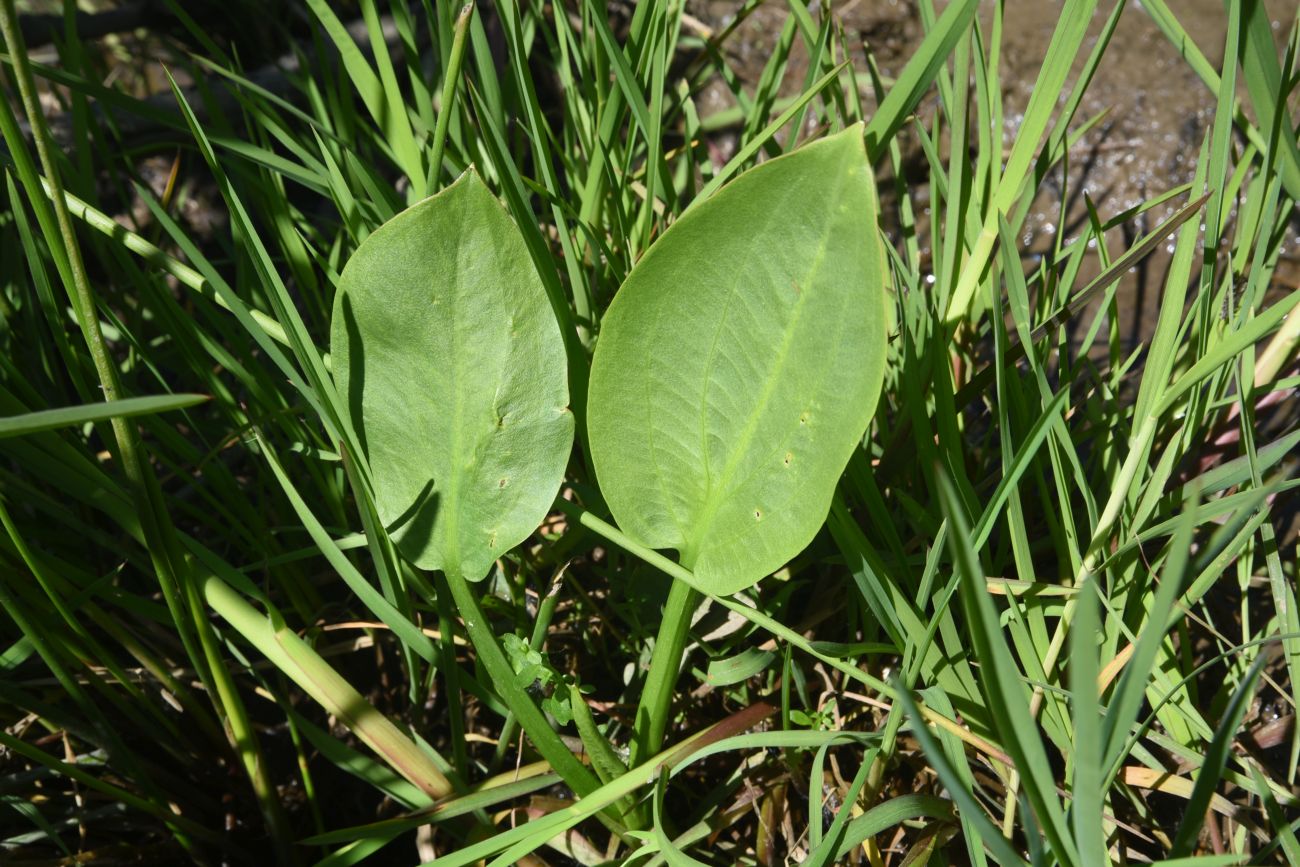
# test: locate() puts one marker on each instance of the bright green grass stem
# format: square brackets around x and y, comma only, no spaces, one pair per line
[450,81]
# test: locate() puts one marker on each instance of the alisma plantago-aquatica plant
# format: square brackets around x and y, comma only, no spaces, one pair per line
[735,373]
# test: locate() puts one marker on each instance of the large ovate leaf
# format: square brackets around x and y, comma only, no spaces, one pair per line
[448,356]
[740,364]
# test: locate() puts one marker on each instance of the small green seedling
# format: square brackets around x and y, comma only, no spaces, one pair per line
[539,677]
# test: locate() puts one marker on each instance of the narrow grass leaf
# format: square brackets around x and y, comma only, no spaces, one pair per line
[751,148]
[884,816]
[917,76]
[1007,697]
[409,633]
[739,668]
[971,812]
[69,416]
[1216,759]
[1089,786]
[384,106]
[1066,41]
[1129,693]
[488,794]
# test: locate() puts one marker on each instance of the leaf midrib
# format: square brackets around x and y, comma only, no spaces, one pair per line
[833,348]
[452,561]
[715,496]
[707,385]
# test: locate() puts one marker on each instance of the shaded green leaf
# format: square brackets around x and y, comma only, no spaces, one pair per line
[450,361]
[738,668]
[1216,759]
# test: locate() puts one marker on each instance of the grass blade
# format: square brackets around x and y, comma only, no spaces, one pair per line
[70,416]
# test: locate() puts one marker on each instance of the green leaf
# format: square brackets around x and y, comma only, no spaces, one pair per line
[919,73]
[886,815]
[1006,696]
[740,364]
[738,668]
[1089,788]
[1216,759]
[452,367]
[68,416]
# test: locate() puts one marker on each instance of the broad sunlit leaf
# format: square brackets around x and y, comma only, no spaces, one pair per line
[740,363]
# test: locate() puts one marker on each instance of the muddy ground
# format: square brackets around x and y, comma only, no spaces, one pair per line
[1157,111]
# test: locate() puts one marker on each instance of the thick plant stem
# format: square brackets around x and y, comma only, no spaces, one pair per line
[665,664]
[502,676]
[451,677]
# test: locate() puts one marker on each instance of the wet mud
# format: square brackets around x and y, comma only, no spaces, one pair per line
[1156,113]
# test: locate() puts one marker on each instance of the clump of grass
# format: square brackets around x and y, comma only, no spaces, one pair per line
[1048,619]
